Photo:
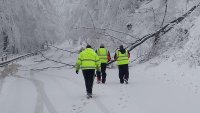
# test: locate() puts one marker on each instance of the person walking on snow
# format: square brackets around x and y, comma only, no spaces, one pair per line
[122,57]
[104,56]
[88,61]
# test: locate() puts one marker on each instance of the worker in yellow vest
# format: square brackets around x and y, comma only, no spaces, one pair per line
[104,56]
[122,57]
[88,61]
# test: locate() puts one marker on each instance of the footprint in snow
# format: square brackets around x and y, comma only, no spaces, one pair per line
[76,109]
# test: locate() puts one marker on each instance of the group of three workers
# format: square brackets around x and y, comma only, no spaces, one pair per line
[90,60]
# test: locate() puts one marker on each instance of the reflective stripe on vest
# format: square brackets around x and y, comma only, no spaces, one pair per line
[122,58]
[89,60]
[103,55]
[87,67]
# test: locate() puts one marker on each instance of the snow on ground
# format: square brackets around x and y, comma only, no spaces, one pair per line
[159,86]
[163,87]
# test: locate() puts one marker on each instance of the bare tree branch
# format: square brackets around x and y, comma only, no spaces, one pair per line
[48,68]
[92,20]
[104,29]
[55,60]
[73,52]
[40,60]
[154,16]
[157,37]
[164,13]
[138,58]
[113,37]
[162,31]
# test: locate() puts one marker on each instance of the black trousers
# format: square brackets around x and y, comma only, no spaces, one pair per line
[123,72]
[89,76]
[102,75]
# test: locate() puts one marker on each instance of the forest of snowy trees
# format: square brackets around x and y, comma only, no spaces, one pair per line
[27,25]
[41,43]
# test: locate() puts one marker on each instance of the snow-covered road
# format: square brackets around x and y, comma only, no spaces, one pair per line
[62,91]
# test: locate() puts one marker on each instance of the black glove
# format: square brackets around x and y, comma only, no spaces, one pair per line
[76,71]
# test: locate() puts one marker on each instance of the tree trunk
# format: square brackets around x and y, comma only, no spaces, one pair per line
[5,41]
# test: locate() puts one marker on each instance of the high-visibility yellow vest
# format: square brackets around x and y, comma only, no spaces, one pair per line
[88,59]
[122,58]
[103,55]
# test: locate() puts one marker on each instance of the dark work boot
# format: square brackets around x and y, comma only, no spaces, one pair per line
[89,95]
[121,81]
[103,81]
[126,81]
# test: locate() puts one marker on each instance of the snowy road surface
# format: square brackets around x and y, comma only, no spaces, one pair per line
[62,91]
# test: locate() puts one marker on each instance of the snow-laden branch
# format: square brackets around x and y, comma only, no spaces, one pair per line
[161,31]
[73,52]
[37,69]
[92,21]
[17,58]
[55,60]
[108,29]
[111,36]
[164,29]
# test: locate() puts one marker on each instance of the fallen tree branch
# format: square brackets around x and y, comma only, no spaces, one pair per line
[160,32]
[48,68]
[164,29]
[56,61]
[40,60]
[73,52]
[137,58]
[113,37]
[104,29]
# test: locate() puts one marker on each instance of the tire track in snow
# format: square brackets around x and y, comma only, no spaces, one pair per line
[84,102]
[76,108]
[39,103]
[39,107]
[1,84]
[2,79]
[42,94]
[55,79]
[101,106]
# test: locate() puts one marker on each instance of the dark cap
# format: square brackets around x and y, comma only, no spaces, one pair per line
[121,47]
[102,45]
[88,46]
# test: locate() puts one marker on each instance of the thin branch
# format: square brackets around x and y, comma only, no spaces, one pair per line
[73,52]
[48,68]
[122,33]
[104,29]
[40,60]
[164,13]
[154,17]
[162,31]
[138,58]
[113,37]
[92,20]
[55,60]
